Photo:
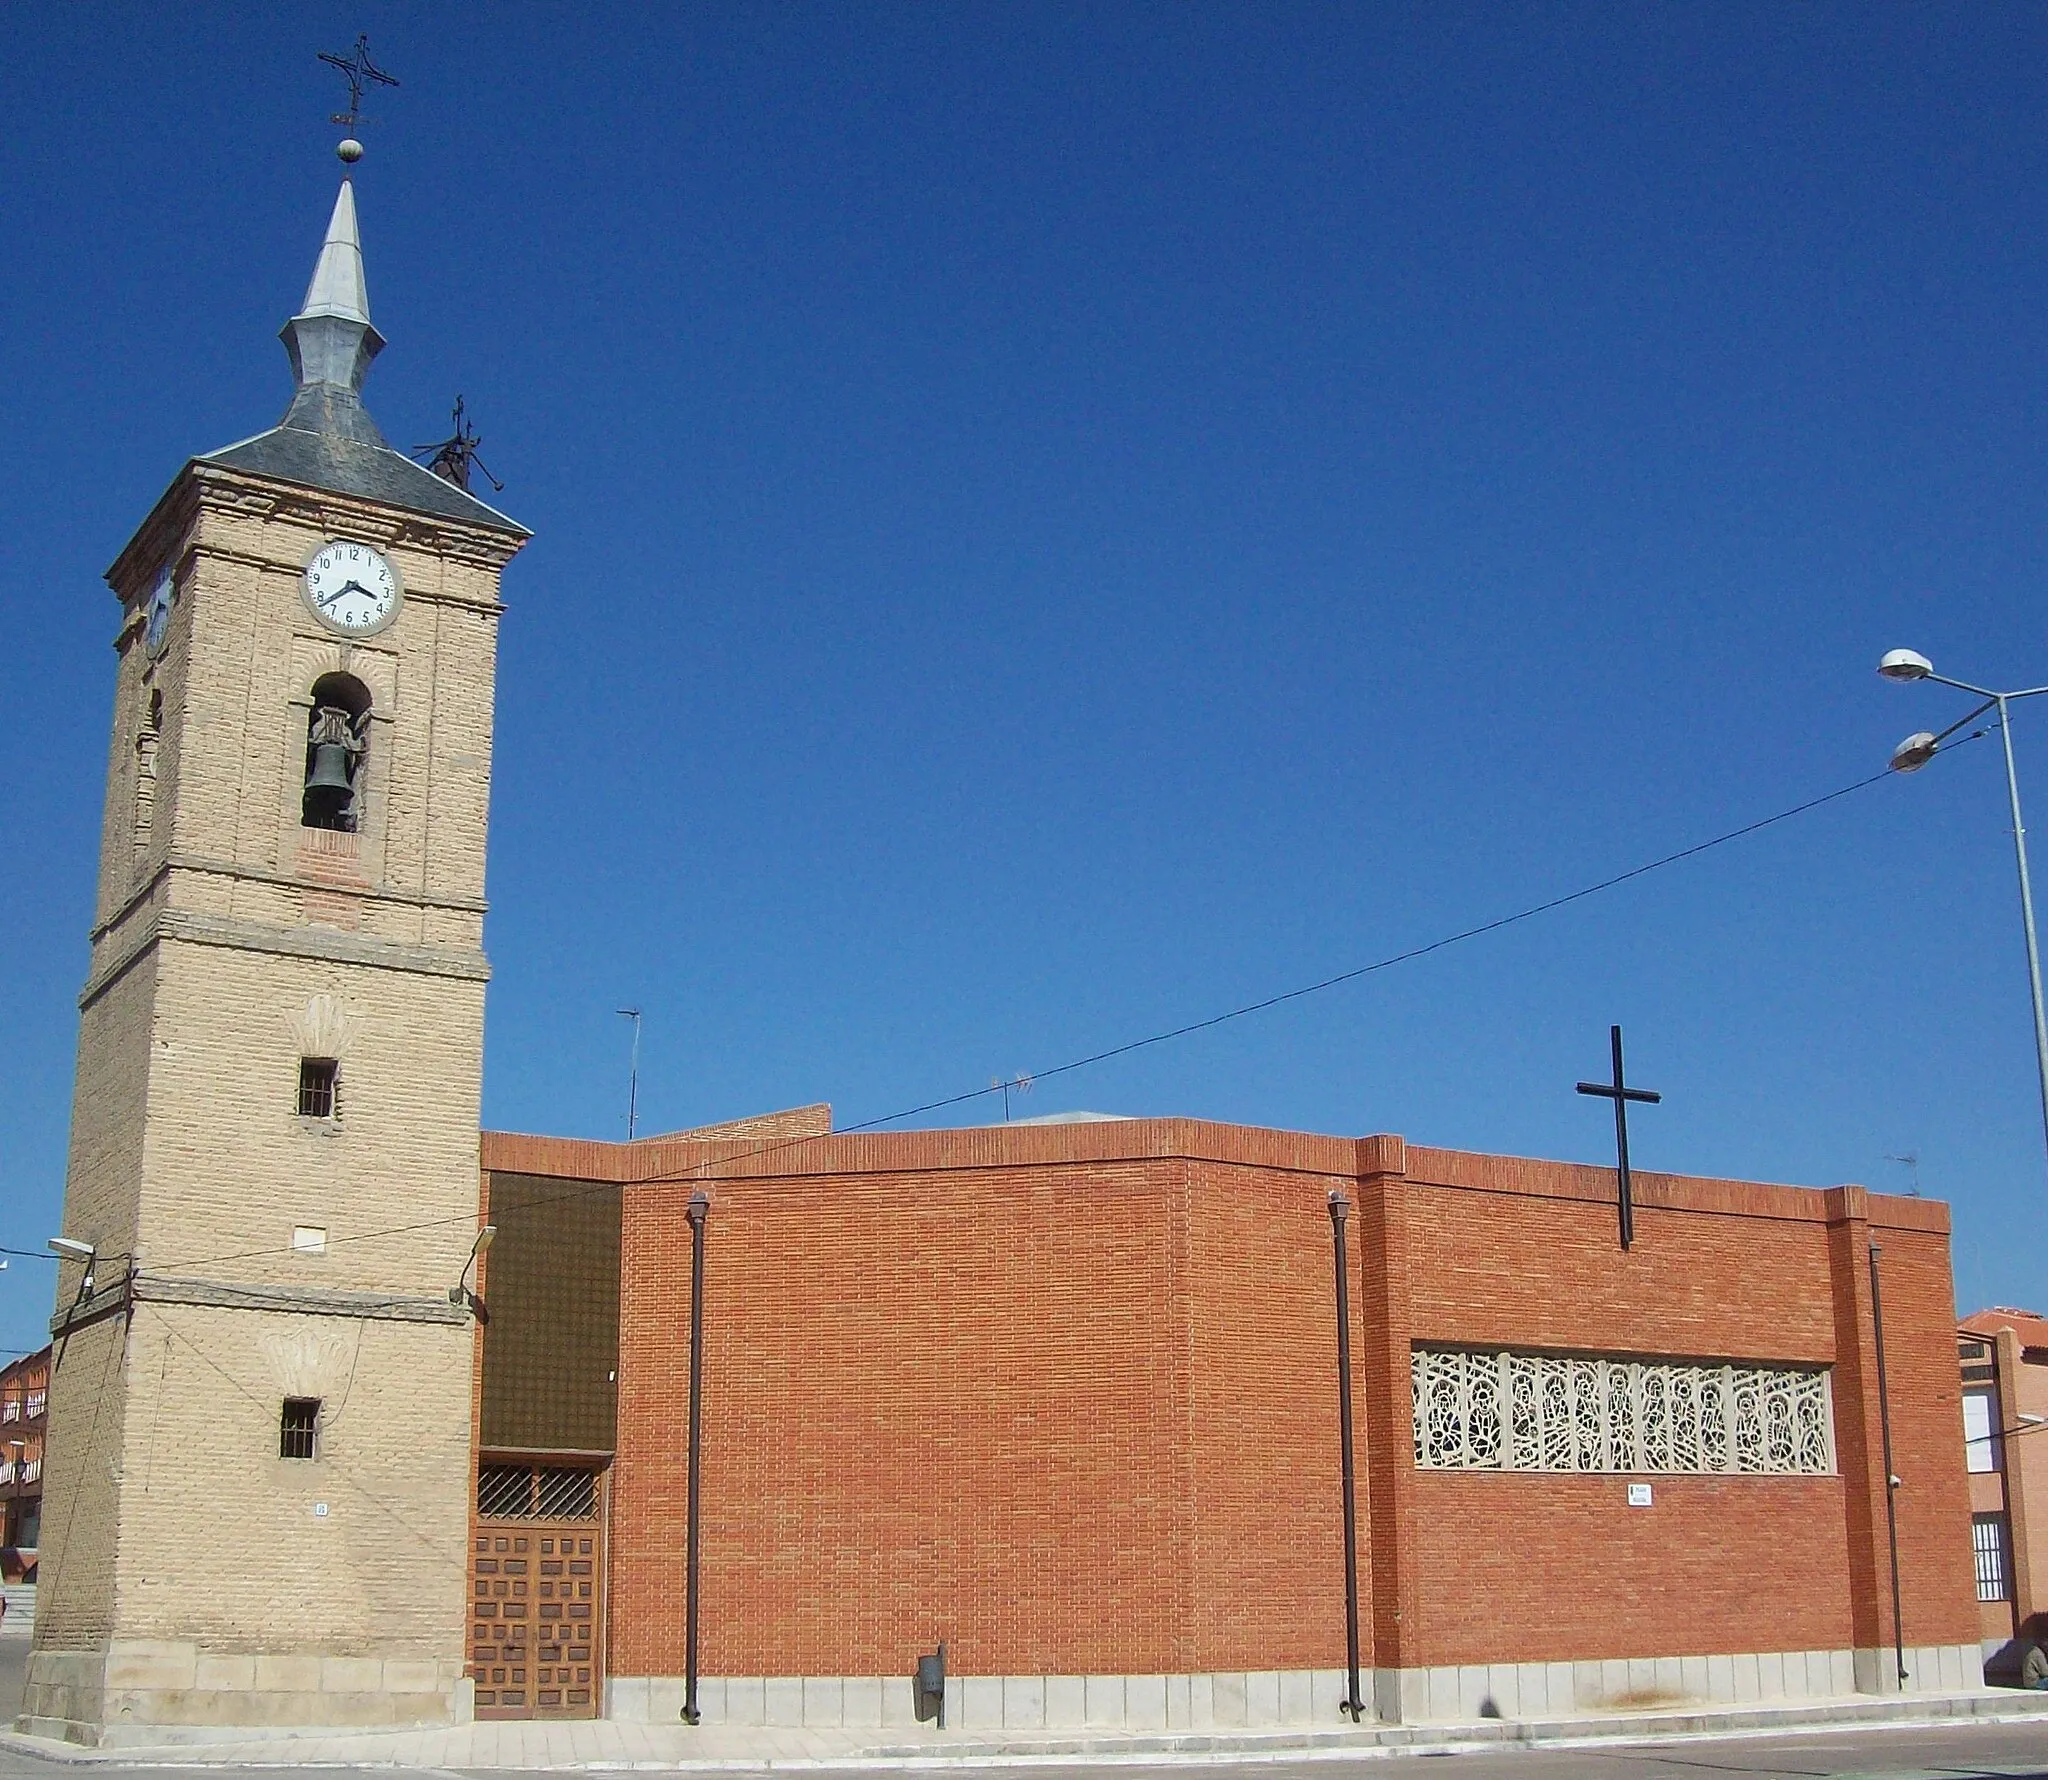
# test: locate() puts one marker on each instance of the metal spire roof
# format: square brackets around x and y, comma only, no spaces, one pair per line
[327,438]
[338,286]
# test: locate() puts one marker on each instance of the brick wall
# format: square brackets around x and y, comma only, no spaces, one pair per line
[1066,1397]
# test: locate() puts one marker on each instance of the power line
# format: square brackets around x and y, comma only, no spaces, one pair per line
[701,1171]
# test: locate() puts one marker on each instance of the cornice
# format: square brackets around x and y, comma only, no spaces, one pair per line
[329,945]
[286,1300]
[200,484]
[257,874]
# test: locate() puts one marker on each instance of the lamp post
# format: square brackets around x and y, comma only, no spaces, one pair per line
[1919,748]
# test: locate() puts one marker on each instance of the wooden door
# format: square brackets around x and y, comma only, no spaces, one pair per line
[537,1592]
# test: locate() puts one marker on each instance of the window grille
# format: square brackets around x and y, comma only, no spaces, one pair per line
[32,1470]
[1544,1412]
[1987,1542]
[297,1427]
[552,1492]
[316,1087]
[37,1402]
[10,1411]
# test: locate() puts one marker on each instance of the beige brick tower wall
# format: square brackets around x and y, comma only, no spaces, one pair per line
[191,1575]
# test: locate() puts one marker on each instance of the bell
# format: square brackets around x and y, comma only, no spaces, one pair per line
[330,769]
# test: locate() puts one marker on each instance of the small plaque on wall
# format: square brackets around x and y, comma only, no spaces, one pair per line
[1639,1495]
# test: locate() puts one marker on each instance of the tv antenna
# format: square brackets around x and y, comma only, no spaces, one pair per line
[359,71]
[1910,1161]
[454,457]
[1021,1083]
[633,1086]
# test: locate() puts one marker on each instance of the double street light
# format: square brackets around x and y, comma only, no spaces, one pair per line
[1920,747]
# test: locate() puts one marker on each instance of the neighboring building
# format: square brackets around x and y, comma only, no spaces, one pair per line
[2004,1357]
[258,1468]
[1064,1396]
[24,1414]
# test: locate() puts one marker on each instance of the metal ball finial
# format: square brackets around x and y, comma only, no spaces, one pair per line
[350,150]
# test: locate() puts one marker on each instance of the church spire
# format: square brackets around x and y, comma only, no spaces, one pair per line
[338,286]
[331,339]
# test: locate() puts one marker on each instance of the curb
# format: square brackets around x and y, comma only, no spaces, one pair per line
[1195,1748]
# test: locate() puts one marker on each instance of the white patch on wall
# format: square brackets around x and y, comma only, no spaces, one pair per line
[1548,1412]
[309,1239]
[308,1357]
[324,1027]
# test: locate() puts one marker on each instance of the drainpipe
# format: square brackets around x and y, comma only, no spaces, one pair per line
[1340,1209]
[1891,1477]
[699,1213]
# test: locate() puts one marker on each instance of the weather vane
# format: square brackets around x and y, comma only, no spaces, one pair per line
[455,457]
[359,71]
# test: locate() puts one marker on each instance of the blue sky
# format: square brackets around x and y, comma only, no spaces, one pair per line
[1055,521]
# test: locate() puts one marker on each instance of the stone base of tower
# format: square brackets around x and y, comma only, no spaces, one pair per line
[146,1691]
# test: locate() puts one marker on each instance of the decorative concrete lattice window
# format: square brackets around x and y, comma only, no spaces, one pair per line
[1546,1412]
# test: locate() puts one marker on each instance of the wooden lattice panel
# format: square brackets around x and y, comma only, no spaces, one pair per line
[536,1627]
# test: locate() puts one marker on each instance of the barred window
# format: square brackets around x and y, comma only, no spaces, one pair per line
[1544,1412]
[1987,1542]
[297,1427]
[317,1077]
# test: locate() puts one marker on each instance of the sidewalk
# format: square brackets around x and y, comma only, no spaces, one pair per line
[603,1744]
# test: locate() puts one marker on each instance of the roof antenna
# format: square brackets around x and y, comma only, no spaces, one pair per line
[359,71]
[454,458]
[1910,1160]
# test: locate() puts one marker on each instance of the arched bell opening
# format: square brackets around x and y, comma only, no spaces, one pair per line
[337,753]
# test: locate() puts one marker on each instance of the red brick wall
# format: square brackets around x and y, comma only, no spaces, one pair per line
[936,1405]
[1065,1396]
[1545,1568]
[1265,1487]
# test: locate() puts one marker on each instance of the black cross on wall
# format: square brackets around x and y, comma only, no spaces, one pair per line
[1621,1094]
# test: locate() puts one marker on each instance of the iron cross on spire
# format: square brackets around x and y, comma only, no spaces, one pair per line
[359,71]
[1621,1094]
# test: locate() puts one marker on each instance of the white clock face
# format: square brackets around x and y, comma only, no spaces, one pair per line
[351,587]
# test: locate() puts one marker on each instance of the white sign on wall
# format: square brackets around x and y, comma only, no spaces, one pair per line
[1639,1495]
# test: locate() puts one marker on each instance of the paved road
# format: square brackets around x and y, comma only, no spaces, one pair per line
[13,1667]
[1951,1752]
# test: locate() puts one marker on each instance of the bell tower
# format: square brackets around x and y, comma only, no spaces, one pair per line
[259,1471]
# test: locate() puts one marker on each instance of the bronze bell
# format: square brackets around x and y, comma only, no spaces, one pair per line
[330,769]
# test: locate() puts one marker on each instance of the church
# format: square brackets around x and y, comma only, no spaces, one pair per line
[1134,1422]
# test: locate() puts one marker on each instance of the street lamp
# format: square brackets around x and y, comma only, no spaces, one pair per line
[1920,747]
[67,1248]
[459,1292]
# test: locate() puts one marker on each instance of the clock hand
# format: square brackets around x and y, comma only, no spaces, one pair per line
[345,587]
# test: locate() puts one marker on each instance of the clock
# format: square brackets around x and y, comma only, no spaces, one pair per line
[156,621]
[351,588]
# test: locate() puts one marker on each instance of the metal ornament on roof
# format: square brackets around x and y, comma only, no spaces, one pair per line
[454,457]
[359,71]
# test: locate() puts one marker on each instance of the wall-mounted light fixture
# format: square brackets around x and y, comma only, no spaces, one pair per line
[459,1292]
